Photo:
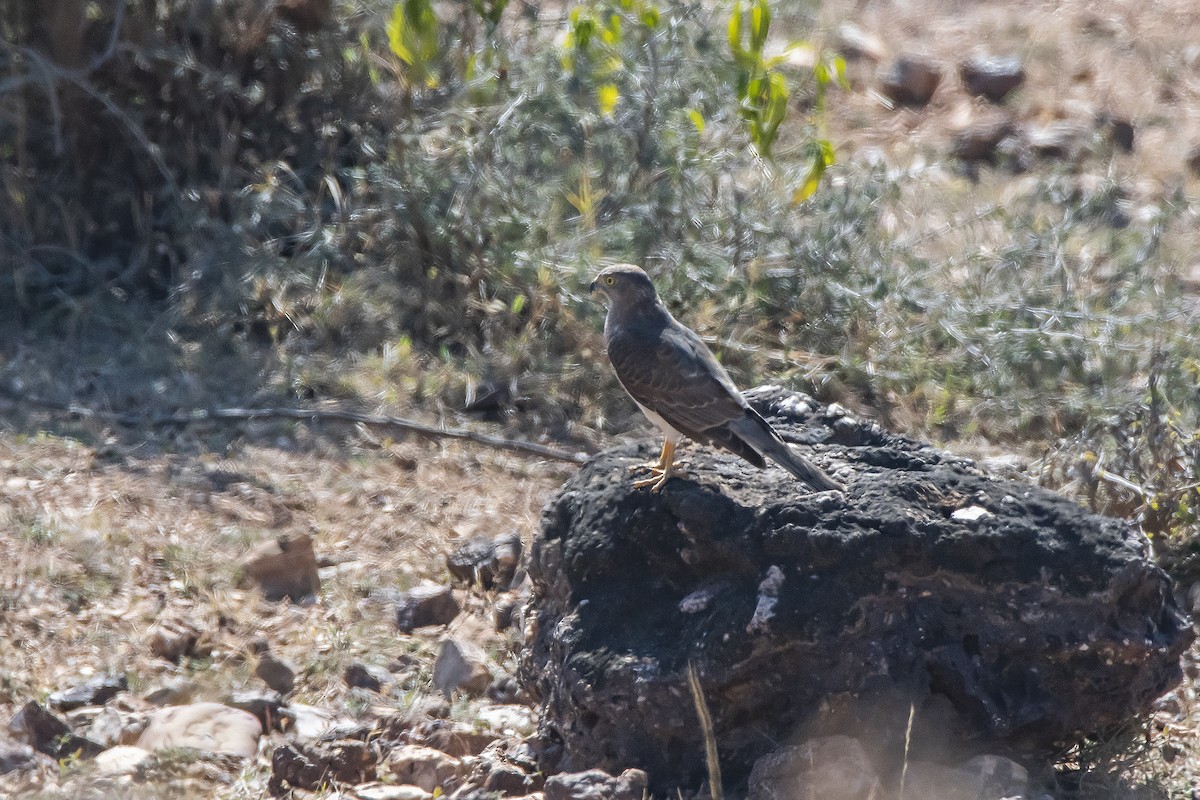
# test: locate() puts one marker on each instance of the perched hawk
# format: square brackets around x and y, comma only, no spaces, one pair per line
[680,387]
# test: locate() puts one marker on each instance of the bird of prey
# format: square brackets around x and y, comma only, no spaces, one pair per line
[670,373]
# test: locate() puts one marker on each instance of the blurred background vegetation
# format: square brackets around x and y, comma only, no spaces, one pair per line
[398,207]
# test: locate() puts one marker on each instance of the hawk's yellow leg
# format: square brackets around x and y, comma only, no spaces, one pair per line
[661,472]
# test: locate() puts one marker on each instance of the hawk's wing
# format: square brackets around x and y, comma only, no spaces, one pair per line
[674,375]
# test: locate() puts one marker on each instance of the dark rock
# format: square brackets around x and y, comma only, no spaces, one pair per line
[911,80]
[277,673]
[284,568]
[366,676]
[17,756]
[93,692]
[506,613]
[1192,159]
[594,784]
[314,766]
[832,768]
[269,709]
[507,766]
[979,141]
[488,563]
[505,689]
[428,604]
[1010,618]
[991,77]
[1119,131]
[35,726]
[176,639]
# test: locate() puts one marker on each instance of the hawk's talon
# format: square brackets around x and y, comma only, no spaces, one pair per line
[661,472]
[658,478]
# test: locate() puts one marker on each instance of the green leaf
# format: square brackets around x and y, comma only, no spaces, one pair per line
[518,304]
[735,30]
[396,28]
[823,158]
[697,119]
[760,25]
[650,17]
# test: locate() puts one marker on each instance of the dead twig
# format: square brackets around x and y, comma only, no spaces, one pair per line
[235,415]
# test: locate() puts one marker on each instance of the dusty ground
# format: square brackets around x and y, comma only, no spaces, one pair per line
[103,532]
[100,543]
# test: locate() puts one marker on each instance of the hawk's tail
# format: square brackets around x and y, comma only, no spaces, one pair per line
[802,469]
[758,433]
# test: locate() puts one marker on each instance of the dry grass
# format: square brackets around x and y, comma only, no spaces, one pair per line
[100,543]
[104,531]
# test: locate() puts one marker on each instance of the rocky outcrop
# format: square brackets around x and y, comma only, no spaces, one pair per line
[1006,617]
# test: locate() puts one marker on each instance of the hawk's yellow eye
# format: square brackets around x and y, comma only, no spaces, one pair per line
[610,280]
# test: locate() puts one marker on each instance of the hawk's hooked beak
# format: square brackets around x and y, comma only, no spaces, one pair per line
[592,287]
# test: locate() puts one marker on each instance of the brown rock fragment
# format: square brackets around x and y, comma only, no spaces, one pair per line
[461,666]
[911,80]
[992,77]
[425,605]
[314,765]
[284,568]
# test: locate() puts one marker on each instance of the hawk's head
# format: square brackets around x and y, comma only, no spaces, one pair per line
[624,283]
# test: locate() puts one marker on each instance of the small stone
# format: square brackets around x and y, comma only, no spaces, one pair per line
[995,777]
[506,690]
[427,604]
[1193,159]
[832,768]
[1059,140]
[1120,132]
[992,77]
[911,80]
[366,676]
[309,722]
[425,767]
[284,568]
[487,563]
[113,726]
[17,756]
[509,720]
[35,726]
[387,791]
[506,613]
[93,692]
[174,691]
[855,44]
[455,738]
[595,784]
[175,639]
[507,766]
[268,709]
[211,727]
[315,765]
[978,142]
[121,760]
[276,673]
[461,666]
